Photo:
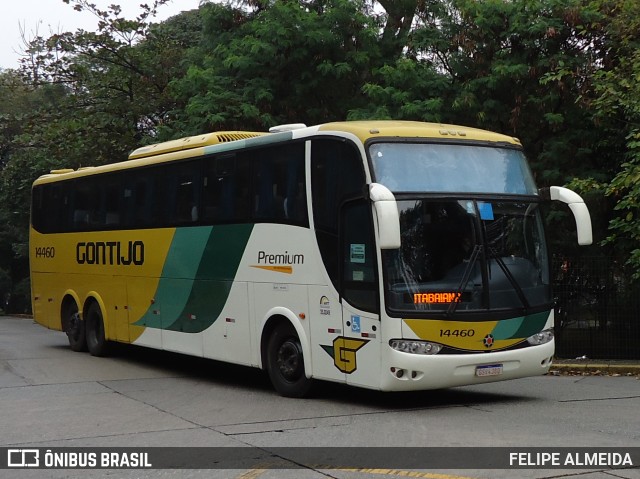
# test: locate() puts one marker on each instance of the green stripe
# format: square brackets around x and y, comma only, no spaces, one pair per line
[197,276]
[249,142]
[532,324]
[507,328]
[522,327]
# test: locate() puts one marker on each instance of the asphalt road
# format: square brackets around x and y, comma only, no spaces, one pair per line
[51,397]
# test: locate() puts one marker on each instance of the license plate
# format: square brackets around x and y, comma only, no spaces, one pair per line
[490,370]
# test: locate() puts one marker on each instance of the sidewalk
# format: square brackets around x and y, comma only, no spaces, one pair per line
[617,367]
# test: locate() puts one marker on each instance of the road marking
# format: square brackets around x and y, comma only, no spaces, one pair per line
[400,473]
[252,474]
[255,473]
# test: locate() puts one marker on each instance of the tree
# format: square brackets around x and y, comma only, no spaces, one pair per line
[18,102]
[82,99]
[618,105]
[286,62]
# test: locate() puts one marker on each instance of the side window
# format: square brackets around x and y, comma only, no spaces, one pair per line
[226,189]
[112,201]
[359,271]
[181,202]
[85,205]
[337,174]
[142,195]
[50,208]
[279,184]
[38,214]
[97,203]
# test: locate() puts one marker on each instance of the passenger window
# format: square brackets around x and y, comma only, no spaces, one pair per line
[279,184]
[226,189]
[85,205]
[51,208]
[142,206]
[182,193]
[112,202]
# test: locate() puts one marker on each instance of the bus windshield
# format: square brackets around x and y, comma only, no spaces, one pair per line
[461,256]
[446,167]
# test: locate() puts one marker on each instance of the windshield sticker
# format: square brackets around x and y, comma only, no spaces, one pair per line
[486,211]
[357,253]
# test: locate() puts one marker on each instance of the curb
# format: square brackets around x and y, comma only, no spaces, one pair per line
[596,368]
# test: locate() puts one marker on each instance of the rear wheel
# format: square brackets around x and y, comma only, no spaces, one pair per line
[96,342]
[285,362]
[73,325]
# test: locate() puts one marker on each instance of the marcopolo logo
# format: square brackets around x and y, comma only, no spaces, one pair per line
[110,253]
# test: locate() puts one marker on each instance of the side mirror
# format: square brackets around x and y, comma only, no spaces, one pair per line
[578,208]
[387,213]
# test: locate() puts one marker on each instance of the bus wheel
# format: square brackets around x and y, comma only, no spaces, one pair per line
[96,342]
[73,325]
[285,363]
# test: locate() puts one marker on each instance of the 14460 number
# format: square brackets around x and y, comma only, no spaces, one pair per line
[45,252]
[458,333]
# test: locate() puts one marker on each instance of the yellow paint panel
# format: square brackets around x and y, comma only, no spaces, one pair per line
[458,334]
[122,267]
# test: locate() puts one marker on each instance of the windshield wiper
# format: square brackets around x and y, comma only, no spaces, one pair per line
[514,282]
[465,279]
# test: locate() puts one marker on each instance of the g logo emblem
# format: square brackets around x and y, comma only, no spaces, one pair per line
[344,351]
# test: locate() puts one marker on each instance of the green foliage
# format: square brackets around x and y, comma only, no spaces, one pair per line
[400,95]
[287,62]
[617,106]
[83,99]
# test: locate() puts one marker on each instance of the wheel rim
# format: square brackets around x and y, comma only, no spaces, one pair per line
[289,360]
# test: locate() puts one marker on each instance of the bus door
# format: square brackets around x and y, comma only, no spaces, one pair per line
[359,351]
[344,308]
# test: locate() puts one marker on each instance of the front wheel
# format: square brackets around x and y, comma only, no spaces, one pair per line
[96,342]
[285,363]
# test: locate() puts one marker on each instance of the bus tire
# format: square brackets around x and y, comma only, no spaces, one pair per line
[96,342]
[74,327]
[285,362]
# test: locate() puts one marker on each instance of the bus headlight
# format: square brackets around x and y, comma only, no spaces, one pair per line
[541,337]
[415,347]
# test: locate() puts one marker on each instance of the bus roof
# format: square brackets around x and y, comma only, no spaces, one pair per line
[366,130]
[206,143]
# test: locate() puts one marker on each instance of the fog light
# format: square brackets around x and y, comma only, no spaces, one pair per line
[415,347]
[541,338]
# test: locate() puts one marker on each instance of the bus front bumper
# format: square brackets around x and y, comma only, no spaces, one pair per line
[412,372]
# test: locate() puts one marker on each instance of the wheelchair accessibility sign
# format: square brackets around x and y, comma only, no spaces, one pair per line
[355,324]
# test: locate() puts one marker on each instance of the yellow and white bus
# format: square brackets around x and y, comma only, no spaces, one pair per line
[389,255]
